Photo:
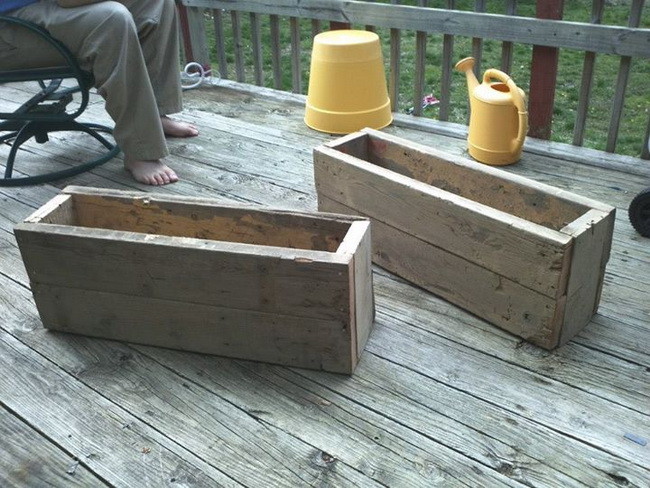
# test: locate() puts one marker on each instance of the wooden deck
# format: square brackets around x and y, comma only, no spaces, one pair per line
[440,398]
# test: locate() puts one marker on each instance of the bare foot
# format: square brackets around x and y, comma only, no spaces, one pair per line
[174,128]
[150,172]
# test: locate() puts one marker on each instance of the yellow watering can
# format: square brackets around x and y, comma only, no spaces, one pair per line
[499,120]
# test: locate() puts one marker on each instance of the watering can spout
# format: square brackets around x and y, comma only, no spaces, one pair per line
[467,66]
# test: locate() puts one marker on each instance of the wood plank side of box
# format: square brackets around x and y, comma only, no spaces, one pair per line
[267,285]
[525,256]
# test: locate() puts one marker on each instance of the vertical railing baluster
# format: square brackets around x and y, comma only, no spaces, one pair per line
[237,40]
[368,27]
[506,47]
[296,76]
[621,82]
[420,64]
[477,42]
[395,65]
[447,63]
[587,80]
[645,149]
[316,27]
[256,39]
[276,58]
[219,41]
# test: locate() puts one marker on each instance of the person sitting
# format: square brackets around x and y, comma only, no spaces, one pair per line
[131,47]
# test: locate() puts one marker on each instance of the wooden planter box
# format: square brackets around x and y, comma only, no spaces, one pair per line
[185,273]
[522,255]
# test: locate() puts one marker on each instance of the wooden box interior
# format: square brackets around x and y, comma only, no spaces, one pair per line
[518,199]
[207,222]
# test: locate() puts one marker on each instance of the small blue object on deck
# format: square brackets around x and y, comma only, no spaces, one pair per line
[635,438]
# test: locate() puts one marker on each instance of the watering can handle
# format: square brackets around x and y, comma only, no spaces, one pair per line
[517,99]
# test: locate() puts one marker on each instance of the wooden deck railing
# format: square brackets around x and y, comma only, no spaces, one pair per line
[545,35]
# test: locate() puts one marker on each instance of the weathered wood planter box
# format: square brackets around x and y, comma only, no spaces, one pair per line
[267,285]
[522,255]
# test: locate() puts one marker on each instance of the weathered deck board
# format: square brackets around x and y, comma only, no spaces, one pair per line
[440,398]
[105,439]
[158,393]
[30,459]
[611,378]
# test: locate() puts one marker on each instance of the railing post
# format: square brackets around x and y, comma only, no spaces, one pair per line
[193,32]
[185,30]
[477,42]
[544,76]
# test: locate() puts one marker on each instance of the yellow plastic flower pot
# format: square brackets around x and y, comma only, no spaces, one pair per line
[347,84]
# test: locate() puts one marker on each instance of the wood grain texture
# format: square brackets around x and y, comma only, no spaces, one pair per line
[236,286]
[492,186]
[537,398]
[206,220]
[90,427]
[487,294]
[439,398]
[29,459]
[260,278]
[473,232]
[257,336]
[433,216]
[418,75]
[380,447]
[591,249]
[359,240]
[608,378]
[220,439]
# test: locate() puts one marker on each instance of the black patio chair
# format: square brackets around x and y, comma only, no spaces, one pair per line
[47,111]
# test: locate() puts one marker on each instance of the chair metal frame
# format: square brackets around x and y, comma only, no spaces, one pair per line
[46,111]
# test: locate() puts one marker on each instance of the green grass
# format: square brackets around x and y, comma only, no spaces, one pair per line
[637,101]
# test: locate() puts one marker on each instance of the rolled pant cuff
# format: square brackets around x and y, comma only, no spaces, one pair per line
[170,109]
[146,154]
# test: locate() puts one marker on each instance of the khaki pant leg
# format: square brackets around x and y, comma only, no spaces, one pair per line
[157,24]
[104,39]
